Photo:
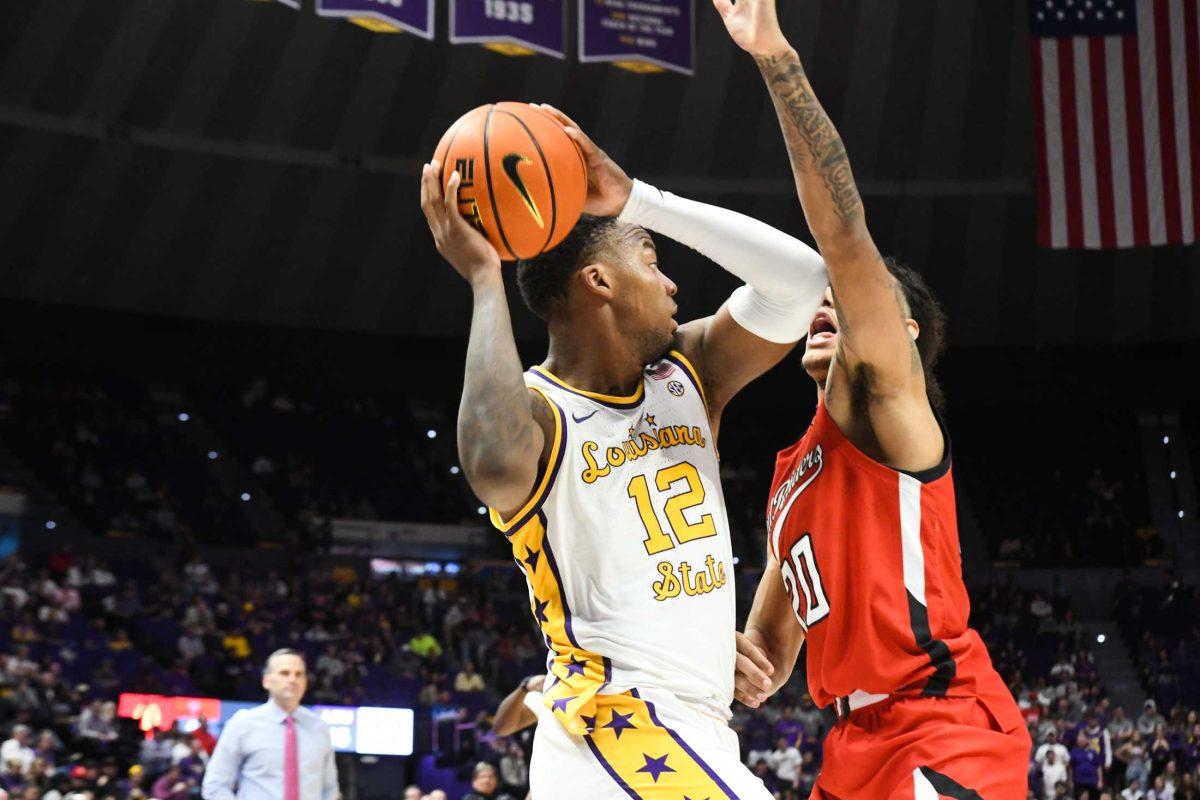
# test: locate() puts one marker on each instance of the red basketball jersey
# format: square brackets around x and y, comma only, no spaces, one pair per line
[871,561]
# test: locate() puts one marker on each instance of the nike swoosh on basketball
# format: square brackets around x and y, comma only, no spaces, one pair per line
[585,417]
[511,162]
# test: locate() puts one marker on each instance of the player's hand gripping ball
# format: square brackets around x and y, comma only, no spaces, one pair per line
[524,180]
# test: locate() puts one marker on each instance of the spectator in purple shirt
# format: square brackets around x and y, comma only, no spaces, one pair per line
[172,786]
[757,737]
[13,778]
[1087,766]
[790,727]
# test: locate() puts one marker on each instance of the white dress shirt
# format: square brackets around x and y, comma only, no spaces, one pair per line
[248,761]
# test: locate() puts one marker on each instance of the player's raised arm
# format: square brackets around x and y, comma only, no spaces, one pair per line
[762,321]
[500,424]
[874,341]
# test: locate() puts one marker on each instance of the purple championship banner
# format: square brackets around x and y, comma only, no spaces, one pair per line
[513,27]
[383,16]
[641,35]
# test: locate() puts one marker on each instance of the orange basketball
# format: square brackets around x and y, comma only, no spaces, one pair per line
[523,179]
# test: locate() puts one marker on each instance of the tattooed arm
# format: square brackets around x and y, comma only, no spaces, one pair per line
[870,303]
[502,426]
[876,353]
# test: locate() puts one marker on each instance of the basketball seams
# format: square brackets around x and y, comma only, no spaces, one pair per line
[549,178]
[487,166]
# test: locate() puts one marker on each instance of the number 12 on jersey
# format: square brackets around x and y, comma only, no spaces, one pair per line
[800,570]
[656,540]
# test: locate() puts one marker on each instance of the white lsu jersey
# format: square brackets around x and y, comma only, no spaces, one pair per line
[625,546]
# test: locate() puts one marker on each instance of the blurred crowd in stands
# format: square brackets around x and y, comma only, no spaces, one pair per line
[76,631]
[1087,505]
[1163,626]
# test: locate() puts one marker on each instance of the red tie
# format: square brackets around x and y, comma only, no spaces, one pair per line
[291,762]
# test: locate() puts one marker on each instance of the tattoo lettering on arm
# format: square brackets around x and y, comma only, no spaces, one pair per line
[813,141]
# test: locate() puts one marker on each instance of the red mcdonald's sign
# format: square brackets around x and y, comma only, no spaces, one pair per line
[159,711]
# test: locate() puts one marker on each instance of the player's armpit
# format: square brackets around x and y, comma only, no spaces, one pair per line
[518,495]
[727,356]
[876,344]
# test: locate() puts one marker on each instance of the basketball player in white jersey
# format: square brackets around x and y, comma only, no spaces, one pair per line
[600,466]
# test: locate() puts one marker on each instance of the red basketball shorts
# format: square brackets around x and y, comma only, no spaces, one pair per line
[924,748]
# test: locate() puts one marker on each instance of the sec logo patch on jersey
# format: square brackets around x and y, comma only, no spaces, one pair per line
[675,388]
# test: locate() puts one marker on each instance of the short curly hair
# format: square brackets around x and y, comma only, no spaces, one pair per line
[543,280]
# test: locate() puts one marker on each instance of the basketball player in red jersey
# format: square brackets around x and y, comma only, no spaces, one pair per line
[864,560]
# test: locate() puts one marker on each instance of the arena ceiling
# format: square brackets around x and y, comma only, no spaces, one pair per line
[238,160]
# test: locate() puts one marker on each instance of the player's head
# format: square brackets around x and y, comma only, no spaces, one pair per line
[603,275]
[926,324]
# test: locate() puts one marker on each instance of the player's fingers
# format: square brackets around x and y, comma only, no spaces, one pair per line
[431,197]
[755,653]
[746,693]
[751,671]
[559,115]
[586,146]
[450,204]
[573,129]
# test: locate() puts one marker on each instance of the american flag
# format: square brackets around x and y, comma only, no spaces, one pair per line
[1117,90]
[664,370]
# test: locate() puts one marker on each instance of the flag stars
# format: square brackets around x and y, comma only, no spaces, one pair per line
[576,667]
[561,703]
[655,767]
